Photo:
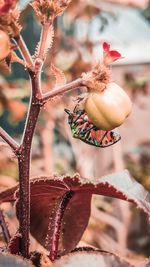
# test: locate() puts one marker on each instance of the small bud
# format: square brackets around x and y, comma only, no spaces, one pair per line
[110,55]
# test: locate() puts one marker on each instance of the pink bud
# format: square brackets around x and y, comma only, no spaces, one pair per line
[110,55]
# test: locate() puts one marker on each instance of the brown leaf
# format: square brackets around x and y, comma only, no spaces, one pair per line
[47,193]
[91,258]
[59,76]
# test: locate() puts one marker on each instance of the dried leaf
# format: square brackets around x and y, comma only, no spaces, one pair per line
[51,190]
[59,76]
[91,258]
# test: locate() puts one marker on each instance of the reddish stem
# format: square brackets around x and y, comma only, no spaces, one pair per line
[24,52]
[24,157]
[57,224]
[24,165]
[9,140]
[43,41]
[62,89]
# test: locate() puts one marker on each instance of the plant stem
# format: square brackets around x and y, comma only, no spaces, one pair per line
[9,140]
[57,224]
[43,40]
[24,157]
[24,165]
[5,230]
[24,52]
[62,89]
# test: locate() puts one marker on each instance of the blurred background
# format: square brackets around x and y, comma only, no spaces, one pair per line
[125,24]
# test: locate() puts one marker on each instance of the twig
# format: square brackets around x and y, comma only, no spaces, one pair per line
[4,227]
[62,89]
[57,224]
[9,140]
[43,40]
[24,52]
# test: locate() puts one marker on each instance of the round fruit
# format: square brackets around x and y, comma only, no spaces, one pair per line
[108,109]
[4,45]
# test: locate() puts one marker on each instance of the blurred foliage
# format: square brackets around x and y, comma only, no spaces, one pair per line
[138,163]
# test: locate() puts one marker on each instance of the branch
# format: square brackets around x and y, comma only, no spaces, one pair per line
[43,41]
[63,89]
[9,140]
[24,52]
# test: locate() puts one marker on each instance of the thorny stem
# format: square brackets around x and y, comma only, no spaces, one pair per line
[43,40]
[57,224]
[24,165]
[62,89]
[24,52]
[24,157]
[25,149]
[3,225]
[9,140]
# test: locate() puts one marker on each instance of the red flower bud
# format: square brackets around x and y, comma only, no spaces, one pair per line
[110,55]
